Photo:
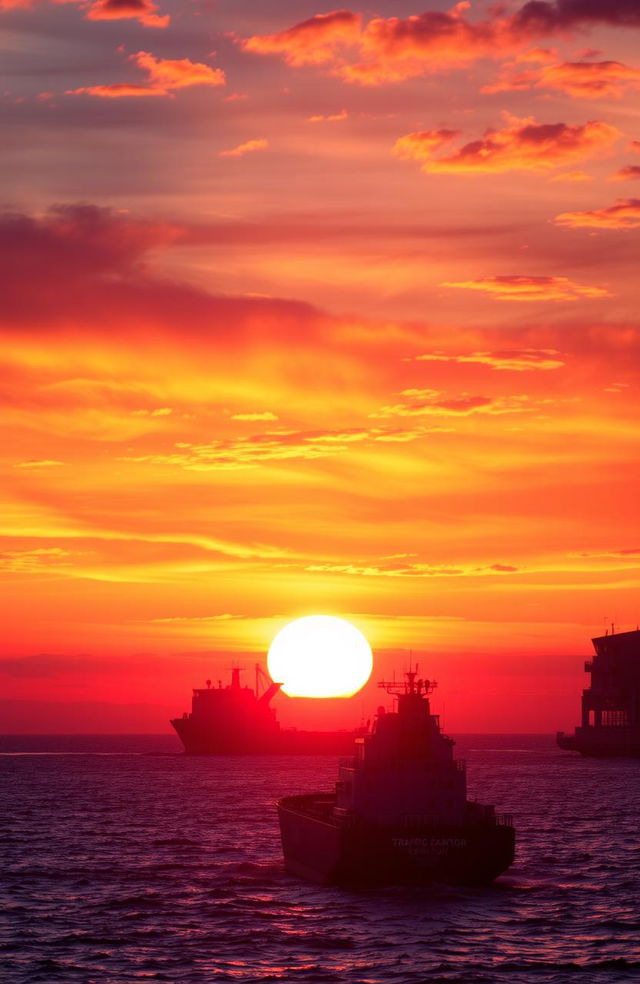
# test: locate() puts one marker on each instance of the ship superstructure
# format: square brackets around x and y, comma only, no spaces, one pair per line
[231,719]
[611,704]
[399,813]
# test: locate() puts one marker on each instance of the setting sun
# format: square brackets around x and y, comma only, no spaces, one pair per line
[320,656]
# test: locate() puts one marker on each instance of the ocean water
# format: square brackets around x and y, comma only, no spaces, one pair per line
[123,861]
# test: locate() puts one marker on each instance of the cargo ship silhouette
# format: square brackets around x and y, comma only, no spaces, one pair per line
[236,720]
[611,704]
[399,813]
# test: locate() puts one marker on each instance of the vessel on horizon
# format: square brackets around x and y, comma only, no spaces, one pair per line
[399,813]
[236,720]
[611,704]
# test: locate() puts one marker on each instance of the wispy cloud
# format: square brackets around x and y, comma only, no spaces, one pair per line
[625,214]
[512,360]
[329,118]
[271,447]
[631,172]
[33,561]
[118,90]
[527,288]
[248,147]
[223,617]
[410,570]
[39,463]
[433,403]
[571,177]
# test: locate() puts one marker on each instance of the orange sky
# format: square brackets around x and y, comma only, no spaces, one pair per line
[316,311]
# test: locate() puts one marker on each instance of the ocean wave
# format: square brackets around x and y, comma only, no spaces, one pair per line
[128,868]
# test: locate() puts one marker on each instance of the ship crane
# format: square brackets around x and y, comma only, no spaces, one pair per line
[271,687]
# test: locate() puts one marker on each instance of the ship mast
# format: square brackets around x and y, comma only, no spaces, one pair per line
[411,685]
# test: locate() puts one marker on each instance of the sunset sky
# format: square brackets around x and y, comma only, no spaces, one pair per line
[316,311]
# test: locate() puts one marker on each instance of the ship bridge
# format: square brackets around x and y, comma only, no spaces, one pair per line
[613,699]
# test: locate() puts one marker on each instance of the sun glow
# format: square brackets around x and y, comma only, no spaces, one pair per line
[320,656]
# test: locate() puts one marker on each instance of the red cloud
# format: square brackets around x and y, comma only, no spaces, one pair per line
[542,18]
[583,80]
[394,48]
[625,214]
[518,288]
[523,145]
[628,173]
[163,76]
[82,265]
[312,42]
[142,10]
[93,241]
[589,79]
[388,49]
[167,73]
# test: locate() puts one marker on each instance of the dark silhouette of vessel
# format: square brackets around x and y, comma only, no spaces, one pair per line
[236,720]
[399,813]
[611,704]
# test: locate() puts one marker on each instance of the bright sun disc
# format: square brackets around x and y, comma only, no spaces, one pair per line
[320,656]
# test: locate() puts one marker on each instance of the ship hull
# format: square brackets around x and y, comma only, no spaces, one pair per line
[622,742]
[323,849]
[200,739]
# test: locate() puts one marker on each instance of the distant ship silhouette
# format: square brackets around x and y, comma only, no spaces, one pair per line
[236,720]
[611,705]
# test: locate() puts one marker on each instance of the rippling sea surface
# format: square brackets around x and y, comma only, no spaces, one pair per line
[123,861]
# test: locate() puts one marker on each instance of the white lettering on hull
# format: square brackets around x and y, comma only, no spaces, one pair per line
[428,845]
